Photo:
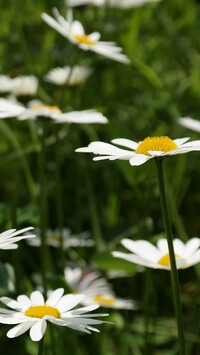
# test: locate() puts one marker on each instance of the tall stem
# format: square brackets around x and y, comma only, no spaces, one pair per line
[41,346]
[43,209]
[59,203]
[174,273]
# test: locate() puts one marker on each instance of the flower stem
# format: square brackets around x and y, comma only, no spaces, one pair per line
[43,207]
[41,346]
[174,273]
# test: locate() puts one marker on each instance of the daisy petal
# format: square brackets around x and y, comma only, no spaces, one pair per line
[38,329]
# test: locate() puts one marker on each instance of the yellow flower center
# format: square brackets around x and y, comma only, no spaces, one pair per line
[104,300]
[41,311]
[161,144]
[84,39]
[165,260]
[54,237]
[51,108]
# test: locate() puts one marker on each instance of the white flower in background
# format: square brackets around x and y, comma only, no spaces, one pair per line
[139,153]
[68,75]
[157,257]
[190,123]
[75,33]
[5,83]
[38,109]
[53,238]
[96,289]
[24,85]
[9,238]
[33,313]
[110,3]
[19,86]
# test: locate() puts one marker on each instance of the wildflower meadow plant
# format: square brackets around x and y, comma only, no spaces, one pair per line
[33,313]
[157,148]
[75,33]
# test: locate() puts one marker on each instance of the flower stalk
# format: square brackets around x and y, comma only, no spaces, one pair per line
[174,273]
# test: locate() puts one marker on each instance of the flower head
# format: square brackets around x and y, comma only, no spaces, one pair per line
[190,123]
[157,257]
[33,313]
[9,238]
[139,153]
[96,289]
[75,33]
[19,86]
[53,238]
[68,75]
[37,109]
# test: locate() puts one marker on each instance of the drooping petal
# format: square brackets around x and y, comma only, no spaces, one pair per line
[38,329]
[19,329]
[139,159]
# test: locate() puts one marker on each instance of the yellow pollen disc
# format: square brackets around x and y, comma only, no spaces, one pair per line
[55,237]
[84,39]
[41,311]
[162,144]
[51,108]
[165,260]
[103,300]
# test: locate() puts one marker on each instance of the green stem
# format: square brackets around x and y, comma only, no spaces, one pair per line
[43,209]
[59,200]
[174,273]
[41,346]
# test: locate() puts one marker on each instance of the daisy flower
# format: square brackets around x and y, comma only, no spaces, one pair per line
[5,83]
[37,109]
[9,238]
[157,257]
[140,152]
[19,86]
[110,3]
[53,239]
[68,75]
[95,288]
[24,85]
[190,123]
[75,33]
[33,313]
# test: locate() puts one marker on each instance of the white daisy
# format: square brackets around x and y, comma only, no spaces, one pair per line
[68,75]
[53,238]
[37,109]
[139,153]
[110,3]
[19,86]
[157,257]
[9,238]
[75,33]
[95,288]
[24,85]
[33,313]
[190,123]
[5,83]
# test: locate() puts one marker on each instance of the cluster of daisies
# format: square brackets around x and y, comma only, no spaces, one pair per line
[88,288]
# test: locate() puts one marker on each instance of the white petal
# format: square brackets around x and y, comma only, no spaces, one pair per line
[137,260]
[125,143]
[139,159]
[69,301]
[38,329]
[191,246]
[190,123]
[55,297]
[11,303]
[194,259]
[180,141]
[24,301]
[37,298]
[142,248]
[179,247]
[155,153]
[19,329]
[163,246]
